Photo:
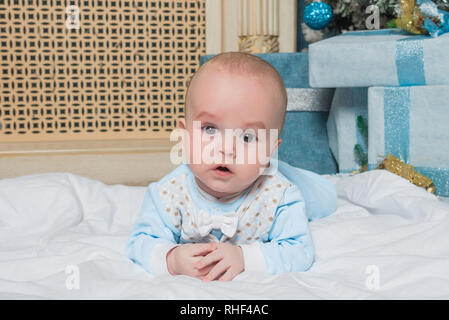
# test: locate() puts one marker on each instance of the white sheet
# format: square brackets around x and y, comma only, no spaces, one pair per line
[388,239]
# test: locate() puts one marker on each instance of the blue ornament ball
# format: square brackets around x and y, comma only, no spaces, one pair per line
[317,15]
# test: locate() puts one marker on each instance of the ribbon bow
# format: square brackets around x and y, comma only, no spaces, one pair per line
[226,222]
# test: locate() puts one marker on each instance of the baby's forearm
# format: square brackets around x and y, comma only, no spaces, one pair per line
[170,262]
[287,256]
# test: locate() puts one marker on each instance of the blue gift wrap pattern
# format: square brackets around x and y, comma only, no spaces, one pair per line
[304,136]
[388,57]
[305,144]
[347,105]
[412,123]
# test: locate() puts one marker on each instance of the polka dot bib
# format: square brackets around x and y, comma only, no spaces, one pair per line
[251,222]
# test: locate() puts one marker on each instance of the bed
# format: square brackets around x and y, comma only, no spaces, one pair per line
[63,237]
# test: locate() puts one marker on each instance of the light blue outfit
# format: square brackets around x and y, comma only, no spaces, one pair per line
[269,221]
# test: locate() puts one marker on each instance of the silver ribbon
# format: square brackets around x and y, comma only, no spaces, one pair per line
[309,99]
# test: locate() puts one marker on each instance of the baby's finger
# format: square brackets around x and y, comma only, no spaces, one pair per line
[212,257]
[200,249]
[228,275]
[204,271]
[216,271]
[199,274]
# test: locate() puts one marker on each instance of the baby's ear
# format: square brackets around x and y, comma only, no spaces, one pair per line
[279,142]
[182,123]
[276,146]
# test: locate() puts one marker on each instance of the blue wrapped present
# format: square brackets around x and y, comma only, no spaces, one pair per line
[411,123]
[343,130]
[389,57]
[304,136]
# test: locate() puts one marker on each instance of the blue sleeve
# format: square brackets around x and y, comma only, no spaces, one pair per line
[151,228]
[319,194]
[289,247]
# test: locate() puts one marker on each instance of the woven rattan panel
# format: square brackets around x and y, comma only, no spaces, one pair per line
[96,69]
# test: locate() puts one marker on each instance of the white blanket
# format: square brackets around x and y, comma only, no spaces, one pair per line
[63,236]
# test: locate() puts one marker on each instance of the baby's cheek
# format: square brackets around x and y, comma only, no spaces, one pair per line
[199,152]
[249,173]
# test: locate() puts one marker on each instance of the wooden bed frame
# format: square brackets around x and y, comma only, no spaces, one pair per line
[129,162]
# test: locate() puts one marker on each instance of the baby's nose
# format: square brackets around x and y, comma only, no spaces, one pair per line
[228,151]
[227,147]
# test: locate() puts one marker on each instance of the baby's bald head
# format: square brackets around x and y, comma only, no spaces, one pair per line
[238,63]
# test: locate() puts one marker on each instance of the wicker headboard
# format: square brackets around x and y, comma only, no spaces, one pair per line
[94,71]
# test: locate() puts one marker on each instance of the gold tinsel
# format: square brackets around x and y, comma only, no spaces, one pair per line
[411,18]
[407,171]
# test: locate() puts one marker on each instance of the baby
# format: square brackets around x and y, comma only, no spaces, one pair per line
[217,216]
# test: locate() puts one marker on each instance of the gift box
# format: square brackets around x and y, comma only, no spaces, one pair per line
[411,123]
[304,136]
[388,57]
[348,115]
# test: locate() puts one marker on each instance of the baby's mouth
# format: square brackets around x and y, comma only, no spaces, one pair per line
[222,170]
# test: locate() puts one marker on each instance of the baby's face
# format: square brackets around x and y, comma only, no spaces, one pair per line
[237,118]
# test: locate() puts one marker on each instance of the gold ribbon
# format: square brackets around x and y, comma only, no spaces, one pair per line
[407,171]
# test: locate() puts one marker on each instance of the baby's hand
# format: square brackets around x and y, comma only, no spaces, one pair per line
[182,259]
[226,261]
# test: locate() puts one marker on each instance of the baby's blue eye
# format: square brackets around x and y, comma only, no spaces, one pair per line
[249,137]
[210,130]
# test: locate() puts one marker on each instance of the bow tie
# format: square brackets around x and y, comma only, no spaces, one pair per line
[226,222]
